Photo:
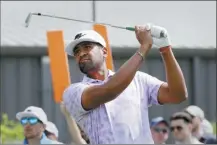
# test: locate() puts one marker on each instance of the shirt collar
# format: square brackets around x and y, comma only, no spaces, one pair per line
[90,80]
[44,140]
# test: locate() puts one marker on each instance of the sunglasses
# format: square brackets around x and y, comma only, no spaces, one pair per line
[179,128]
[30,120]
[163,130]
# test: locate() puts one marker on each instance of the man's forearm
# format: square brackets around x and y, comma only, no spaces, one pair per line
[174,75]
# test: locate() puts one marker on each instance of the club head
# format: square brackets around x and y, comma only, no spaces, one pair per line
[28,18]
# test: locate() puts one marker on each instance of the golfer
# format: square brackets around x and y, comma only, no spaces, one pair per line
[112,108]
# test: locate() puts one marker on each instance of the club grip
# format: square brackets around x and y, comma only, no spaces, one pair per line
[130,28]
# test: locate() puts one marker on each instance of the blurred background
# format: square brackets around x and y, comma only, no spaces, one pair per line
[25,72]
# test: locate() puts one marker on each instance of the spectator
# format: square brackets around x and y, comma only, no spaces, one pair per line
[159,130]
[198,116]
[181,128]
[34,122]
[52,132]
[207,137]
[77,135]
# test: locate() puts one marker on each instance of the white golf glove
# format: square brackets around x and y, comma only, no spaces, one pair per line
[160,36]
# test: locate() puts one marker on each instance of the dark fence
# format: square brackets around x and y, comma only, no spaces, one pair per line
[26,80]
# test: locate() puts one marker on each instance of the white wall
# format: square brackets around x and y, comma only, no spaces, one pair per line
[191,24]
[14,13]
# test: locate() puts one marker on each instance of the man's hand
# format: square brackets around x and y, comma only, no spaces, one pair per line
[143,35]
[160,36]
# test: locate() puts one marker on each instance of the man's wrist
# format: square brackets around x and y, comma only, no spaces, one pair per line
[143,50]
[165,49]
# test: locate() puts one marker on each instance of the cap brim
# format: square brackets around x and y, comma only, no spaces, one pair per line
[20,115]
[160,121]
[70,47]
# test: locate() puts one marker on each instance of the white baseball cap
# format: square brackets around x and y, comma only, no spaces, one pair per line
[51,127]
[33,111]
[195,111]
[206,127]
[82,36]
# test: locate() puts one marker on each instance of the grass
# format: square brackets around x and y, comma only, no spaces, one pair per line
[214,127]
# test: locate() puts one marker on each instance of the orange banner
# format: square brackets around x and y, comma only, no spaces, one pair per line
[101,29]
[58,64]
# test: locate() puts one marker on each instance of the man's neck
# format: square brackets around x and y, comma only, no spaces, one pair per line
[188,140]
[100,74]
[35,141]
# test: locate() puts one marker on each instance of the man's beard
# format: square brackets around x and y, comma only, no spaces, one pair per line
[86,67]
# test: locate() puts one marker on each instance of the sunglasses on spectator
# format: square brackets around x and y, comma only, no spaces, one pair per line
[179,128]
[30,120]
[163,130]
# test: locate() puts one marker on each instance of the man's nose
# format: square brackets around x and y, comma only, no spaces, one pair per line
[82,53]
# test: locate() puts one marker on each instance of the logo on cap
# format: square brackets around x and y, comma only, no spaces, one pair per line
[78,36]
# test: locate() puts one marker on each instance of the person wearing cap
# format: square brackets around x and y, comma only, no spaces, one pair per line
[207,131]
[181,128]
[112,108]
[198,117]
[159,130]
[52,132]
[34,121]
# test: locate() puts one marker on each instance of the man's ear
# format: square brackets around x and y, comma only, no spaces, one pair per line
[43,127]
[105,52]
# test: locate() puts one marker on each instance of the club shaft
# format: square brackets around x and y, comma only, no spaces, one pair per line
[84,21]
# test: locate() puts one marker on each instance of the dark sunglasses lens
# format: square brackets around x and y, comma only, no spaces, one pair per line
[160,130]
[24,121]
[157,129]
[164,130]
[33,121]
[179,128]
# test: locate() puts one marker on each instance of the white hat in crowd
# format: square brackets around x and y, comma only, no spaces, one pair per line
[195,111]
[206,127]
[33,111]
[51,127]
[82,36]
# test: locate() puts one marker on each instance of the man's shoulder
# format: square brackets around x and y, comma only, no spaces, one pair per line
[142,75]
[74,86]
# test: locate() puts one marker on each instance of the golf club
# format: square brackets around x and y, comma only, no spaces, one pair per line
[27,21]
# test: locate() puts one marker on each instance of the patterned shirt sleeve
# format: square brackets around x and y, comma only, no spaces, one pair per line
[72,99]
[153,84]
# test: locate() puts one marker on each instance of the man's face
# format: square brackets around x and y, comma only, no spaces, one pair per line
[89,56]
[33,127]
[196,122]
[159,133]
[180,129]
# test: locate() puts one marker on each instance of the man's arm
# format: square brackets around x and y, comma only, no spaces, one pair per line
[72,126]
[175,90]
[94,96]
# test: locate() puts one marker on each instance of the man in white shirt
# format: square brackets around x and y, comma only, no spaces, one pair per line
[112,108]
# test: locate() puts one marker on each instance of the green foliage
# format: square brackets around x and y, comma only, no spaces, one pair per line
[214,127]
[10,130]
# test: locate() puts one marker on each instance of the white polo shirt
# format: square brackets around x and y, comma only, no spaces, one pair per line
[123,120]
